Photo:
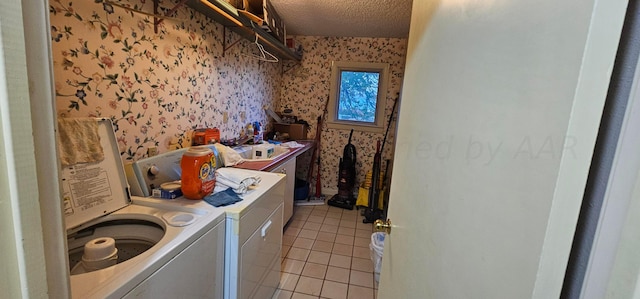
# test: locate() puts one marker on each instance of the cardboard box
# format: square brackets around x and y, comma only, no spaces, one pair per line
[236,3]
[294,46]
[295,131]
[272,21]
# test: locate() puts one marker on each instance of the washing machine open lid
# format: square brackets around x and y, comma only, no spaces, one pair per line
[92,190]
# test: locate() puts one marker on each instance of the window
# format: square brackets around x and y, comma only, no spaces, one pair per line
[358,96]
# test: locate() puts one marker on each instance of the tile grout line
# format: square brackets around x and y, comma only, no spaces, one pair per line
[347,223]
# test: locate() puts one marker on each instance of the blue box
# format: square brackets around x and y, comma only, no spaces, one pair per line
[166,194]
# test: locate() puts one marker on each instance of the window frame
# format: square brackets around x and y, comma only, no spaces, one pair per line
[337,67]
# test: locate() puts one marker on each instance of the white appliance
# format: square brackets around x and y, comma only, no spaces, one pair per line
[253,238]
[253,241]
[146,174]
[161,251]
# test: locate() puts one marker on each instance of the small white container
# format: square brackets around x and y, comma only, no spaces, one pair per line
[263,151]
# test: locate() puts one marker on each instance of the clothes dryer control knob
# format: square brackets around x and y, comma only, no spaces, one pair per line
[153,170]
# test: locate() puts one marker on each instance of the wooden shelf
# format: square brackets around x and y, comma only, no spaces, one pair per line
[228,16]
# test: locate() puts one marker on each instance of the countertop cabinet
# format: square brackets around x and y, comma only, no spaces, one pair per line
[288,168]
[285,164]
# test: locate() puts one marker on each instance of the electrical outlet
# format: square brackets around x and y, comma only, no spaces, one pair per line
[152,151]
[243,116]
[225,117]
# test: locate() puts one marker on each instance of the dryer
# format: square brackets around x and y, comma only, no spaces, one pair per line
[122,247]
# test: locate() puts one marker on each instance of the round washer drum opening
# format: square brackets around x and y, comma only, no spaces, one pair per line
[132,238]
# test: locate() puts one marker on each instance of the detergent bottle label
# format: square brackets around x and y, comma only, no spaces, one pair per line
[198,172]
[207,176]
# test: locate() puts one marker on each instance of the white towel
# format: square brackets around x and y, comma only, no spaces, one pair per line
[291,144]
[235,178]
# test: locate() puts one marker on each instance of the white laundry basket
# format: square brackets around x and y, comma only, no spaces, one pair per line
[377,248]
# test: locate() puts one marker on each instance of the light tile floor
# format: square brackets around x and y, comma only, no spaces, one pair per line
[325,254]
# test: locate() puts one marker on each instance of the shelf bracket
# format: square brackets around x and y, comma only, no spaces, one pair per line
[289,66]
[156,19]
[224,41]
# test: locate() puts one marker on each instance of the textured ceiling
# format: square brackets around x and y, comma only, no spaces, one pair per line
[356,18]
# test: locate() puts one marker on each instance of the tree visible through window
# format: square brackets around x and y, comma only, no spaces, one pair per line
[358,96]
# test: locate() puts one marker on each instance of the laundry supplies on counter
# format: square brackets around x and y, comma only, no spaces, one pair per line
[237,179]
[168,190]
[292,144]
[222,198]
[229,156]
[263,151]
[198,172]
[205,136]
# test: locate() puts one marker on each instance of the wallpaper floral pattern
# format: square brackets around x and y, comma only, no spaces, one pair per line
[305,89]
[155,87]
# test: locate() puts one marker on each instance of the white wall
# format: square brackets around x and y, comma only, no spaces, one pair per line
[501,106]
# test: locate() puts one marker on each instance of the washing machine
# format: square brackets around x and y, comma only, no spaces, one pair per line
[122,247]
[253,230]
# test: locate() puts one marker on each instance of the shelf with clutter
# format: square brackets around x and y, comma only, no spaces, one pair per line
[264,27]
[254,21]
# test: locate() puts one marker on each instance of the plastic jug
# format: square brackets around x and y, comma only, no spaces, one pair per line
[198,172]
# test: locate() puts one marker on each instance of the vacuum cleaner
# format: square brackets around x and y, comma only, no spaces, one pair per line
[346,178]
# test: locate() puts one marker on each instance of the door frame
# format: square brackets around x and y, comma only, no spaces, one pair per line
[602,243]
[29,124]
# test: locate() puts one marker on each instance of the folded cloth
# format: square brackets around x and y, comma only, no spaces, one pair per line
[222,198]
[79,141]
[229,156]
[291,144]
[237,179]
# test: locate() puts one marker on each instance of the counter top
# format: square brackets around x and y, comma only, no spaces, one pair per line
[271,164]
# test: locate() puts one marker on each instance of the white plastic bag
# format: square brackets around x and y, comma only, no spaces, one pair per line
[377,248]
[229,156]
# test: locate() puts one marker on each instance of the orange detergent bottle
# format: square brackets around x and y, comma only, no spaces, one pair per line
[198,172]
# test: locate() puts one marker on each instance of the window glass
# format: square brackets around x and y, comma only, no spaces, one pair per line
[358,96]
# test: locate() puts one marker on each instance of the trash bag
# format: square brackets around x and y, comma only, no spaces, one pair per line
[377,248]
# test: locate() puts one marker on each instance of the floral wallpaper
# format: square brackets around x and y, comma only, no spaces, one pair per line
[305,88]
[158,87]
[155,87]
